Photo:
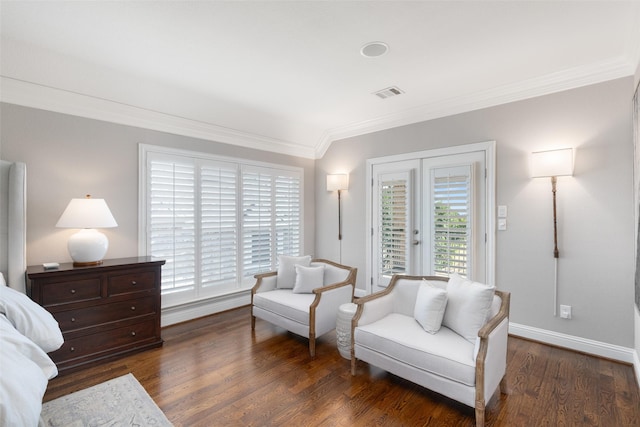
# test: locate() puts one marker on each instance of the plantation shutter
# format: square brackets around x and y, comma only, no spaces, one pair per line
[219,224]
[215,221]
[451,220]
[171,220]
[394,224]
[271,217]
[288,215]
[257,224]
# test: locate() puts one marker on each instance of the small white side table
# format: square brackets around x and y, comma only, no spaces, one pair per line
[343,329]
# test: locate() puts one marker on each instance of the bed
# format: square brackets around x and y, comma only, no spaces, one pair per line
[27,331]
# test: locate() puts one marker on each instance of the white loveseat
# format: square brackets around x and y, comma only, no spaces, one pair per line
[310,311]
[386,334]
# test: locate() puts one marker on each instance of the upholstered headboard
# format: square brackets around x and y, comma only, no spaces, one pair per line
[13,223]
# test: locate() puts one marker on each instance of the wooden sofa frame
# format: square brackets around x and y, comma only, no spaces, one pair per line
[349,281]
[483,333]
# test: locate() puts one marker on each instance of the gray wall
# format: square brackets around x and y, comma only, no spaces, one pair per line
[595,206]
[69,157]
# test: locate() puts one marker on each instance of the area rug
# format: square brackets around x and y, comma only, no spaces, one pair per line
[118,402]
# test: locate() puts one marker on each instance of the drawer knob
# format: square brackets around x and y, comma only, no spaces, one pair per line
[73,291]
[133,283]
[133,333]
[133,307]
[72,349]
[73,319]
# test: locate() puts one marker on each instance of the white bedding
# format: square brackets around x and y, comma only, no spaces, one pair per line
[27,333]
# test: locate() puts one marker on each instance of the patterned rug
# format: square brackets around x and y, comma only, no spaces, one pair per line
[118,402]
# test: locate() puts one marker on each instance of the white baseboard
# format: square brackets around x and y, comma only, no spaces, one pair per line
[184,312]
[597,348]
[636,365]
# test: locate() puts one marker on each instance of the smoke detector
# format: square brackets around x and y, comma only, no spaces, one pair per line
[388,92]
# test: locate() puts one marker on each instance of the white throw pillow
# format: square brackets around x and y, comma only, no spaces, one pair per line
[286,269]
[2,282]
[30,319]
[308,278]
[430,307]
[467,306]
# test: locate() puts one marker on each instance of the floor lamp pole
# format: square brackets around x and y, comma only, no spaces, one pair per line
[339,218]
[556,253]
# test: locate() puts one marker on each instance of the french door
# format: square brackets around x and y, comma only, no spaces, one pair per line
[430,216]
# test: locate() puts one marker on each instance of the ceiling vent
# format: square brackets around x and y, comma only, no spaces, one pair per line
[388,92]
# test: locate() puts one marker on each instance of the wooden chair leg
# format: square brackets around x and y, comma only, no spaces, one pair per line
[480,414]
[253,323]
[353,365]
[312,346]
[504,389]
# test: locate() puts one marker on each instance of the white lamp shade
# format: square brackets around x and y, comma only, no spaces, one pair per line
[337,182]
[552,163]
[87,213]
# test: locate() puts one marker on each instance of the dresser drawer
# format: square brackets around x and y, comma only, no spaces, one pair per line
[102,341]
[97,315]
[71,291]
[131,282]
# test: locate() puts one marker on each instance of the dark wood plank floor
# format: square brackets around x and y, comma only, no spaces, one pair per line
[215,372]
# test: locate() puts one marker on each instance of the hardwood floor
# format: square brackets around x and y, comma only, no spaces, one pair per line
[215,372]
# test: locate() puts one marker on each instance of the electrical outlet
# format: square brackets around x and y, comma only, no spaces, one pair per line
[565,311]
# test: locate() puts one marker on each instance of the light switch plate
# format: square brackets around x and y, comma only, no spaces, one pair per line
[502,224]
[502,211]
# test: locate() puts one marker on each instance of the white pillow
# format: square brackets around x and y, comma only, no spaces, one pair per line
[467,306]
[2,282]
[430,307]
[30,319]
[308,278]
[286,269]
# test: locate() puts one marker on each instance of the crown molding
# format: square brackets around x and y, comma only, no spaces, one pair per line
[28,94]
[531,88]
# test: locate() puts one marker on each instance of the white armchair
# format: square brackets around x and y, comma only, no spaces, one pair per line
[310,313]
[469,368]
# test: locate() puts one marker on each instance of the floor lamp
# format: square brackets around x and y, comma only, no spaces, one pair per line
[553,163]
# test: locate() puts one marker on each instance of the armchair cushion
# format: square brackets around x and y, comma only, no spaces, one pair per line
[287,269]
[308,278]
[287,304]
[468,306]
[430,306]
[400,337]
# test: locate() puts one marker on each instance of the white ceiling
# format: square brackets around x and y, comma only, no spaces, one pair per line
[288,76]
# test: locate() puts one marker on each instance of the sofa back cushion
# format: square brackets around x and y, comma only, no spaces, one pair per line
[287,269]
[468,306]
[406,292]
[332,274]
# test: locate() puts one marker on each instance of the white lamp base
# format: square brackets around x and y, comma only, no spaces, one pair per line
[87,247]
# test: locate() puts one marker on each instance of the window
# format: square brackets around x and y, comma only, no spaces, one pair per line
[216,222]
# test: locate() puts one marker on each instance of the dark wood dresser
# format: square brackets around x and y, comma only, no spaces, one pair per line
[105,311]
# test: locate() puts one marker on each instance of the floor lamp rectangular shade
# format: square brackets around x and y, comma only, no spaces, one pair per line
[337,182]
[552,163]
[88,246]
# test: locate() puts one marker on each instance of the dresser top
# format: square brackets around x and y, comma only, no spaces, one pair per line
[106,264]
